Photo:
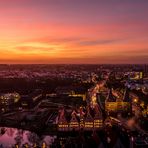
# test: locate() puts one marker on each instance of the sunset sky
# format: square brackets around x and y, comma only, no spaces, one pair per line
[73,31]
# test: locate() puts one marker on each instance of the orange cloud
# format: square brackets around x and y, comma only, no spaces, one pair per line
[33,33]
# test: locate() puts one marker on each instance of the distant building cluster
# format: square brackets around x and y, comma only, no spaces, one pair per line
[81,119]
[39,72]
[15,101]
[8,101]
[120,105]
[93,100]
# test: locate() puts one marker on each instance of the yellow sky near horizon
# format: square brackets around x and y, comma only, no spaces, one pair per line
[45,32]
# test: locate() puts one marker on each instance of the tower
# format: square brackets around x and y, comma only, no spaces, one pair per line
[110,103]
[127,104]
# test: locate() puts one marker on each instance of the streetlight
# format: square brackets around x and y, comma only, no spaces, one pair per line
[135,100]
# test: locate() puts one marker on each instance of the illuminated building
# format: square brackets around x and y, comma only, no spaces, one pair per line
[126,104]
[95,123]
[136,75]
[102,89]
[89,122]
[78,122]
[120,105]
[8,101]
[98,122]
[110,103]
[98,119]
[62,122]
[74,124]
[93,100]
[81,118]
[78,95]
[141,75]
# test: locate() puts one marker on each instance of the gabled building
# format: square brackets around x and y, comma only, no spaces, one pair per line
[98,121]
[89,121]
[62,122]
[125,105]
[110,103]
[122,105]
[81,118]
[73,124]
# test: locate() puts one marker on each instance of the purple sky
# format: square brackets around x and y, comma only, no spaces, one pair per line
[74,31]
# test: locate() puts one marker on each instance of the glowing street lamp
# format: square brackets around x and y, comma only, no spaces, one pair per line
[135,100]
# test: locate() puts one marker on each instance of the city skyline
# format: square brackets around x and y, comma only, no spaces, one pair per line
[73,32]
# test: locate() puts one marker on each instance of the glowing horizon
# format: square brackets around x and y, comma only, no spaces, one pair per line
[73,32]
